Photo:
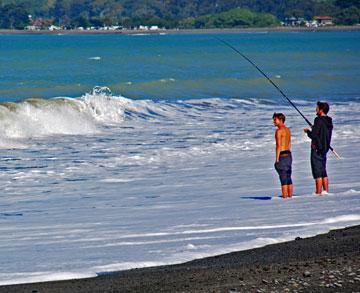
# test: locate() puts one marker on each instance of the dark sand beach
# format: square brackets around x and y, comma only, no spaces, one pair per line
[324,263]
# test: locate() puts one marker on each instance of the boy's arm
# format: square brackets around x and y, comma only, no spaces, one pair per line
[277,140]
[289,140]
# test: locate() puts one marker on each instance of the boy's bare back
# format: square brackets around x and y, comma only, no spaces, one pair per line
[283,139]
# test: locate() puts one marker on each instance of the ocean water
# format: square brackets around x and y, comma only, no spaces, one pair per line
[129,151]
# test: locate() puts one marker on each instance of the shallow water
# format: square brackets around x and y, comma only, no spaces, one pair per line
[170,167]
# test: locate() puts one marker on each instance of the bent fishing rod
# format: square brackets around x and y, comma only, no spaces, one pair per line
[274,84]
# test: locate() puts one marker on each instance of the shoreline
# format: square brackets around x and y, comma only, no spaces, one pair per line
[327,262]
[182,31]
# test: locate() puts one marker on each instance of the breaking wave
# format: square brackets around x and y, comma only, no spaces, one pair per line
[36,117]
[96,111]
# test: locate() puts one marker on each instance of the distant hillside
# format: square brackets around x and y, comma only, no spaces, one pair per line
[169,13]
[237,17]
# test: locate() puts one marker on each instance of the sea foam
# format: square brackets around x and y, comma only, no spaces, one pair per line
[87,115]
[65,116]
[156,182]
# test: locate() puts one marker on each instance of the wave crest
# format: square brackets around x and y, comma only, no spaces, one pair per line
[38,117]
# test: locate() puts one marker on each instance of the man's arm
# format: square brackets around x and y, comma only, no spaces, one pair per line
[315,130]
[315,133]
[308,132]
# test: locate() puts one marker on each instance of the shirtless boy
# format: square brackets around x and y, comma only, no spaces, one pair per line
[283,154]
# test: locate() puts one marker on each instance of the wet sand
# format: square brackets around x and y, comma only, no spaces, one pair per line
[324,263]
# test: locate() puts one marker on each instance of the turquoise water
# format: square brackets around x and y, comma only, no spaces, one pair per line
[305,65]
[164,169]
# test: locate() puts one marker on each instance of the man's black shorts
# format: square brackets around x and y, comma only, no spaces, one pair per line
[283,167]
[318,164]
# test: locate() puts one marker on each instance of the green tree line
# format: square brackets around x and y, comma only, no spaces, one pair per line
[173,13]
[237,17]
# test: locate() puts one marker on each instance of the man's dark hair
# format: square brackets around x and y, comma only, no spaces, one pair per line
[323,106]
[280,116]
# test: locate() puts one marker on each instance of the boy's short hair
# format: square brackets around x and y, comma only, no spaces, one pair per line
[280,116]
[323,106]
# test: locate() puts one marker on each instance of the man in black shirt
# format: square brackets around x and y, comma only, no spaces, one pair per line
[320,135]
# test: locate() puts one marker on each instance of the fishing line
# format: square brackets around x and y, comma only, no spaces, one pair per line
[273,83]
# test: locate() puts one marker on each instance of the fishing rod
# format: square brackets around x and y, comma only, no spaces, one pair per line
[274,84]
